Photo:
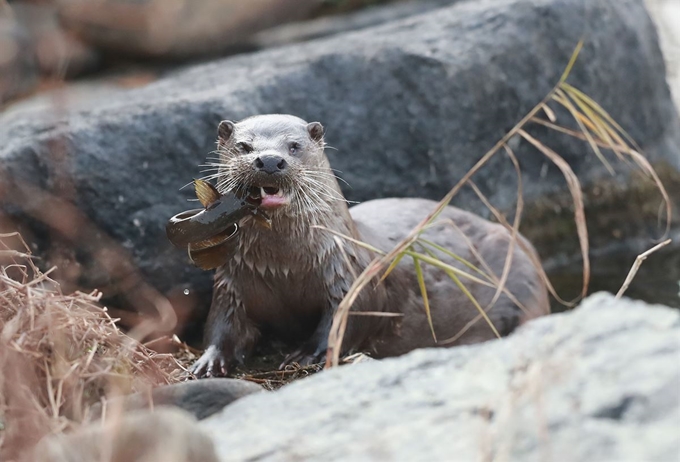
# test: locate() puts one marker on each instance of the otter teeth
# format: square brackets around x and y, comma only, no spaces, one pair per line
[263,193]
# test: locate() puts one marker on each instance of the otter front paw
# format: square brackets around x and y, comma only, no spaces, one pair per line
[212,363]
[305,355]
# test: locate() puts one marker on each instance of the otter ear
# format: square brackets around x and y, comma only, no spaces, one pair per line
[224,130]
[315,130]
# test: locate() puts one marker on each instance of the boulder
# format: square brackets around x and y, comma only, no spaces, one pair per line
[200,398]
[19,73]
[409,106]
[325,26]
[59,54]
[178,29]
[598,383]
[666,16]
[142,436]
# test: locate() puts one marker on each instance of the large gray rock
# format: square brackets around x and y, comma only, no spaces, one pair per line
[18,62]
[601,383]
[410,106]
[331,25]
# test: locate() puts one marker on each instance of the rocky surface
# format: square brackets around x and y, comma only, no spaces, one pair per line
[666,15]
[18,62]
[601,383]
[200,398]
[333,25]
[409,105]
[59,54]
[165,434]
[183,29]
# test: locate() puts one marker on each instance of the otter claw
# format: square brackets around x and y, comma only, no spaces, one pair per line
[303,357]
[211,364]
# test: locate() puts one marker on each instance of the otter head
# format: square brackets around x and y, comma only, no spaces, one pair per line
[280,160]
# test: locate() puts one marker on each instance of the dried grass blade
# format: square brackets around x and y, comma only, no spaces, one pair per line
[636,266]
[549,113]
[579,210]
[599,126]
[515,227]
[484,264]
[564,100]
[600,110]
[351,239]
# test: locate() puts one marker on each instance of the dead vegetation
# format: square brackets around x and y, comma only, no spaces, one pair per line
[60,354]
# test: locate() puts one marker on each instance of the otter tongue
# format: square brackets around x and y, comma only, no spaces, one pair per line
[272,200]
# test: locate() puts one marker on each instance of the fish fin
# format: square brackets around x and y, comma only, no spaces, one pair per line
[212,257]
[262,218]
[263,221]
[206,193]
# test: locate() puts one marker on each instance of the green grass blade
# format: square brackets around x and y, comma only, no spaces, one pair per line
[469,295]
[604,114]
[423,291]
[393,265]
[572,61]
[457,257]
[564,100]
[440,264]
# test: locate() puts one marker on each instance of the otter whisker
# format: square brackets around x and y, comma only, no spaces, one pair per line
[320,189]
[209,169]
[323,173]
[317,204]
[309,205]
[319,196]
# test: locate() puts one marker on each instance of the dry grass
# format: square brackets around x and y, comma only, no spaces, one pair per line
[595,126]
[60,354]
[636,266]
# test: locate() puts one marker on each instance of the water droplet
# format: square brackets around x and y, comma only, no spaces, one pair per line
[186,291]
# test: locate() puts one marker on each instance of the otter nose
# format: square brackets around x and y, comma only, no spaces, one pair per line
[270,164]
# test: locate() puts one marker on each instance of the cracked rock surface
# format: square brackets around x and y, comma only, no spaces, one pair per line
[601,383]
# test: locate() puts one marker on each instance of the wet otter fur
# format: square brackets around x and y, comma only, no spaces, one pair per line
[287,281]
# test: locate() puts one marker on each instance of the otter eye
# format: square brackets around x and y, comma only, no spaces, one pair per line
[244,147]
[294,147]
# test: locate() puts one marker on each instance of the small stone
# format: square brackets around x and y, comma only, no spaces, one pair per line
[201,398]
[164,434]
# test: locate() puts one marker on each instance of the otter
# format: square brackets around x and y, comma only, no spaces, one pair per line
[287,281]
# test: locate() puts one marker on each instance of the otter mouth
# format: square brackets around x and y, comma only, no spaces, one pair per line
[270,197]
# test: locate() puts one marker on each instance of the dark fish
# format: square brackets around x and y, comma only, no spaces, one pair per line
[210,233]
[214,252]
